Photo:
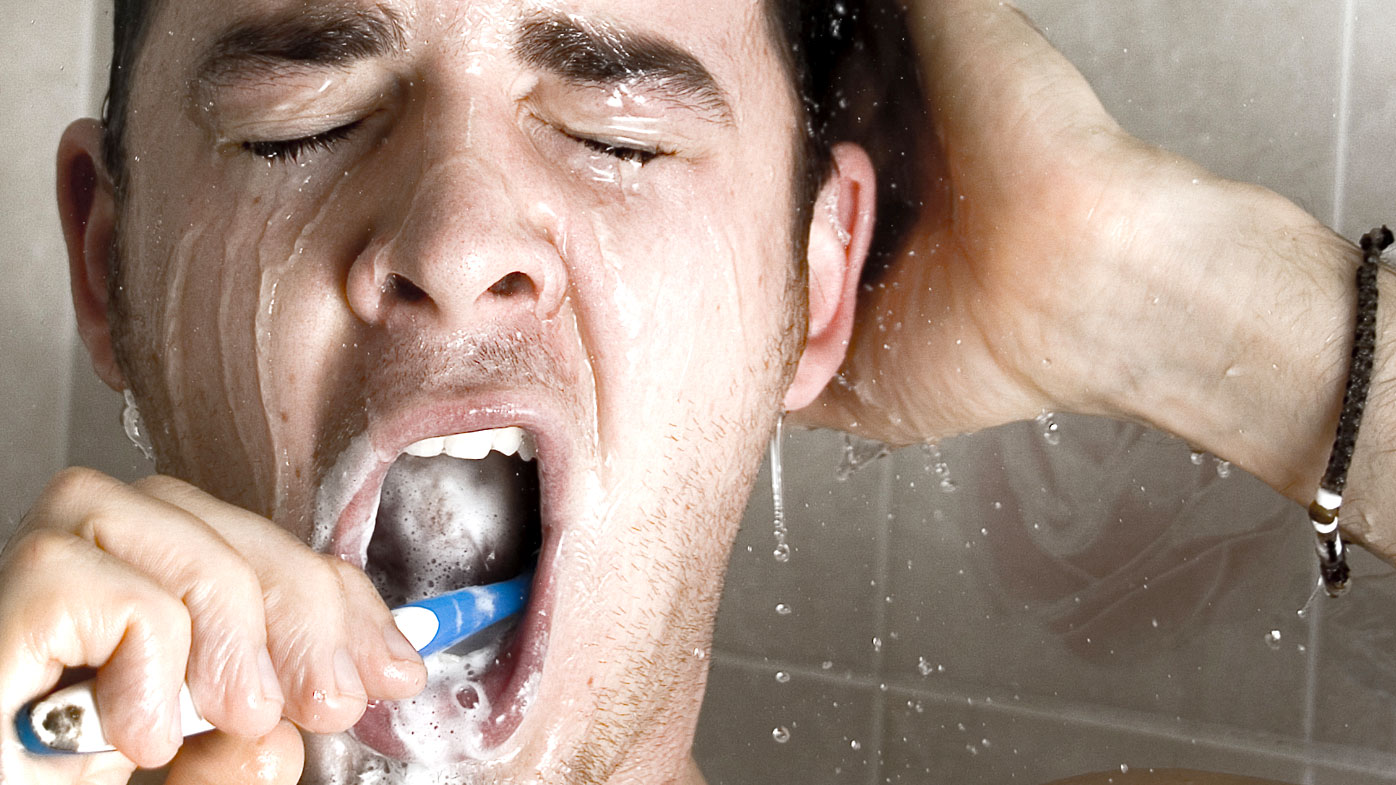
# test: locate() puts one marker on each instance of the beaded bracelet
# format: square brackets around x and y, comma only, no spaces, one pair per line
[1328,501]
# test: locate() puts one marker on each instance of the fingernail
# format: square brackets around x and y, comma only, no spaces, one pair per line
[346,676]
[398,646]
[271,685]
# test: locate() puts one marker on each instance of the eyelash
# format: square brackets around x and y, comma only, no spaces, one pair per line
[292,149]
[621,152]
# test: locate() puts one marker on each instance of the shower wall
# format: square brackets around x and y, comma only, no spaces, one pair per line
[1088,597]
[49,58]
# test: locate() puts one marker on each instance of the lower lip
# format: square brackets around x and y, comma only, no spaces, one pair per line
[472,703]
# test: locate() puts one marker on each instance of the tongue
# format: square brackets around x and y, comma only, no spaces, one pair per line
[446,523]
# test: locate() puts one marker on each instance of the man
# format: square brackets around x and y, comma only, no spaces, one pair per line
[372,227]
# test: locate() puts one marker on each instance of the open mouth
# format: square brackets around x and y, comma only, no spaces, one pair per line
[454,511]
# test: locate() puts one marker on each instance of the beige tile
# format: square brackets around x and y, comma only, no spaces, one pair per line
[825,720]
[1108,570]
[968,742]
[828,583]
[1247,89]
[1372,120]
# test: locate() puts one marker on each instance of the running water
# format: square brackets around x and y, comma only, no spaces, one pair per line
[857,454]
[782,550]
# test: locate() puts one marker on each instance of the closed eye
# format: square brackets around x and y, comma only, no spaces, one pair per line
[293,149]
[635,155]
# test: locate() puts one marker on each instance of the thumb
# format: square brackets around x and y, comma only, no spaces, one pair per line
[221,759]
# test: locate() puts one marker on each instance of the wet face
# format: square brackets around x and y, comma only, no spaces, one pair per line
[563,227]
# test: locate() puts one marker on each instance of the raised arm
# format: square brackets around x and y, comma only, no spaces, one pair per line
[1065,265]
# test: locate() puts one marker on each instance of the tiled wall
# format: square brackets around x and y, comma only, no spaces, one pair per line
[46,53]
[1105,601]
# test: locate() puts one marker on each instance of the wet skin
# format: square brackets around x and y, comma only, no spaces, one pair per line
[444,230]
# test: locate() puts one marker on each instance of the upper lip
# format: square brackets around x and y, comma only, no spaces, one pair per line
[345,532]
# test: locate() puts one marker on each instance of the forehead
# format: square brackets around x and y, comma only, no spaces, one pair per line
[730,38]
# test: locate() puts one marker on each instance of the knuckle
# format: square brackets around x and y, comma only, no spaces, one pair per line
[41,548]
[160,485]
[76,481]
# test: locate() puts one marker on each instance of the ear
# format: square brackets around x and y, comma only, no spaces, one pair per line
[840,232]
[87,207]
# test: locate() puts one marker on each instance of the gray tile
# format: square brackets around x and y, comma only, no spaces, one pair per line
[1108,570]
[1247,89]
[95,438]
[967,742]
[828,723]
[43,61]
[828,583]
[1355,703]
[1372,119]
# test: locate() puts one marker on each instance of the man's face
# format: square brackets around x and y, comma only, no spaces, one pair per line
[352,227]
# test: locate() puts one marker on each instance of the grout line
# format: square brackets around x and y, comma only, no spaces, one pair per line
[1340,162]
[1311,678]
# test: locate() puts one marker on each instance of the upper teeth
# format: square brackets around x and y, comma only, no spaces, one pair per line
[475,446]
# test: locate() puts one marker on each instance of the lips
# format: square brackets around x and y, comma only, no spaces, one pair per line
[475,699]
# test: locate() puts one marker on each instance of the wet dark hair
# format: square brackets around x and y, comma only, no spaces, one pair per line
[850,63]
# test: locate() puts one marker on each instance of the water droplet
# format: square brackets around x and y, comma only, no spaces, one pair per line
[877,643]
[1124,768]
[925,667]
[1197,458]
[826,665]
[781,734]
[1272,639]
[1049,428]
[857,455]
[1155,623]
[782,549]
[782,609]
[855,745]
[318,696]
[782,677]
[134,426]
[937,467]
[1223,468]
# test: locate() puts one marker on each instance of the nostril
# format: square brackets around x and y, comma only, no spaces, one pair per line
[514,283]
[399,288]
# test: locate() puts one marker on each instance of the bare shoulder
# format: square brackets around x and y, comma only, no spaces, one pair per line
[1163,777]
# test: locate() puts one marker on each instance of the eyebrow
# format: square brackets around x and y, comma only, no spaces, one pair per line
[607,56]
[326,36]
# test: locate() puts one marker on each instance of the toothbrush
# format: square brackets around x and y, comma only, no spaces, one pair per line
[66,722]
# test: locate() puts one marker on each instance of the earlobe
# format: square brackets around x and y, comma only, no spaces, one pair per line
[841,231]
[87,208]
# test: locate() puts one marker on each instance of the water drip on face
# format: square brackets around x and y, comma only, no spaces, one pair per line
[445,523]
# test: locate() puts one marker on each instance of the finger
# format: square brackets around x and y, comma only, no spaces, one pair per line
[229,670]
[65,603]
[221,759]
[331,638]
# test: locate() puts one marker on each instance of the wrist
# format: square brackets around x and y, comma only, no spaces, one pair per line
[1234,324]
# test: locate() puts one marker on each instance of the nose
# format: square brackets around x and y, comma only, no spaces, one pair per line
[460,247]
